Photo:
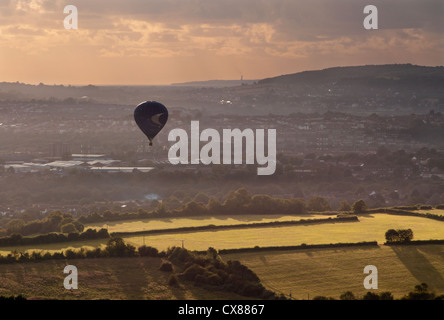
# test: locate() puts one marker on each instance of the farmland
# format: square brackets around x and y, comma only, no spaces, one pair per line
[331,272]
[304,273]
[166,223]
[113,278]
[369,228]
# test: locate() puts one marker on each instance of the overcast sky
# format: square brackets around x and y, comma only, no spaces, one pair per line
[165,41]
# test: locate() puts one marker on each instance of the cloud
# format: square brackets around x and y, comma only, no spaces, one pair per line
[263,34]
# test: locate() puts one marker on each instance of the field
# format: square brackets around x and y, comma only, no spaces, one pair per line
[439,212]
[330,272]
[370,228]
[113,278]
[169,223]
[306,273]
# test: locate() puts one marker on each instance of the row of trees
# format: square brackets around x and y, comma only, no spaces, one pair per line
[19,240]
[56,221]
[239,202]
[399,235]
[420,292]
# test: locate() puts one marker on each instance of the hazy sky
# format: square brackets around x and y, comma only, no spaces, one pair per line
[165,41]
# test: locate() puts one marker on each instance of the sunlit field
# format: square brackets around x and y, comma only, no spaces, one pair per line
[331,272]
[370,228]
[89,244]
[166,223]
[439,212]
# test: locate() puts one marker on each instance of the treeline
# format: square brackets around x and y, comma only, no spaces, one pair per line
[115,247]
[213,227]
[238,202]
[56,221]
[300,247]
[414,242]
[413,214]
[19,240]
[420,292]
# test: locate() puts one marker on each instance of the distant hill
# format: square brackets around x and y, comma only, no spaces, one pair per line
[398,74]
[381,89]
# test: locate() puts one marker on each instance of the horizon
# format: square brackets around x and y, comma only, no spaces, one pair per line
[209,80]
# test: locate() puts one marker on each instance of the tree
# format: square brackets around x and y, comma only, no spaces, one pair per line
[370,296]
[319,204]
[15,226]
[359,207]
[405,235]
[391,235]
[348,295]
[345,206]
[421,292]
[400,235]
[68,228]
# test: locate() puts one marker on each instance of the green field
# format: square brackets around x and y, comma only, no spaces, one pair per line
[331,272]
[170,223]
[370,228]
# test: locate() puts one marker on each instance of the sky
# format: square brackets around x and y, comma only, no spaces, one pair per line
[149,42]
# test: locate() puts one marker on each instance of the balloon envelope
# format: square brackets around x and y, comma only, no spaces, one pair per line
[151,117]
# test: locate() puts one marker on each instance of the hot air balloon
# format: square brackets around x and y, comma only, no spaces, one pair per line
[151,117]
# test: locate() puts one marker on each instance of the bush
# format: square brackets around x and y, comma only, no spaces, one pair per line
[348,295]
[192,271]
[172,280]
[400,235]
[145,251]
[359,207]
[166,266]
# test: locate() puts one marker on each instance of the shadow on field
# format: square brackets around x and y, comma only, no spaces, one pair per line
[419,266]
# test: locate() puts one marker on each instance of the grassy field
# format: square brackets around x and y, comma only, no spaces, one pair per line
[370,228]
[153,224]
[113,278]
[439,212]
[331,272]
[55,246]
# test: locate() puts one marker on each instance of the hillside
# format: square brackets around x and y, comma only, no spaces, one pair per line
[369,75]
[112,278]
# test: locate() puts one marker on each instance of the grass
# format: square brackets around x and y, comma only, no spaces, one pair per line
[370,228]
[169,223]
[113,278]
[55,246]
[439,212]
[331,272]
